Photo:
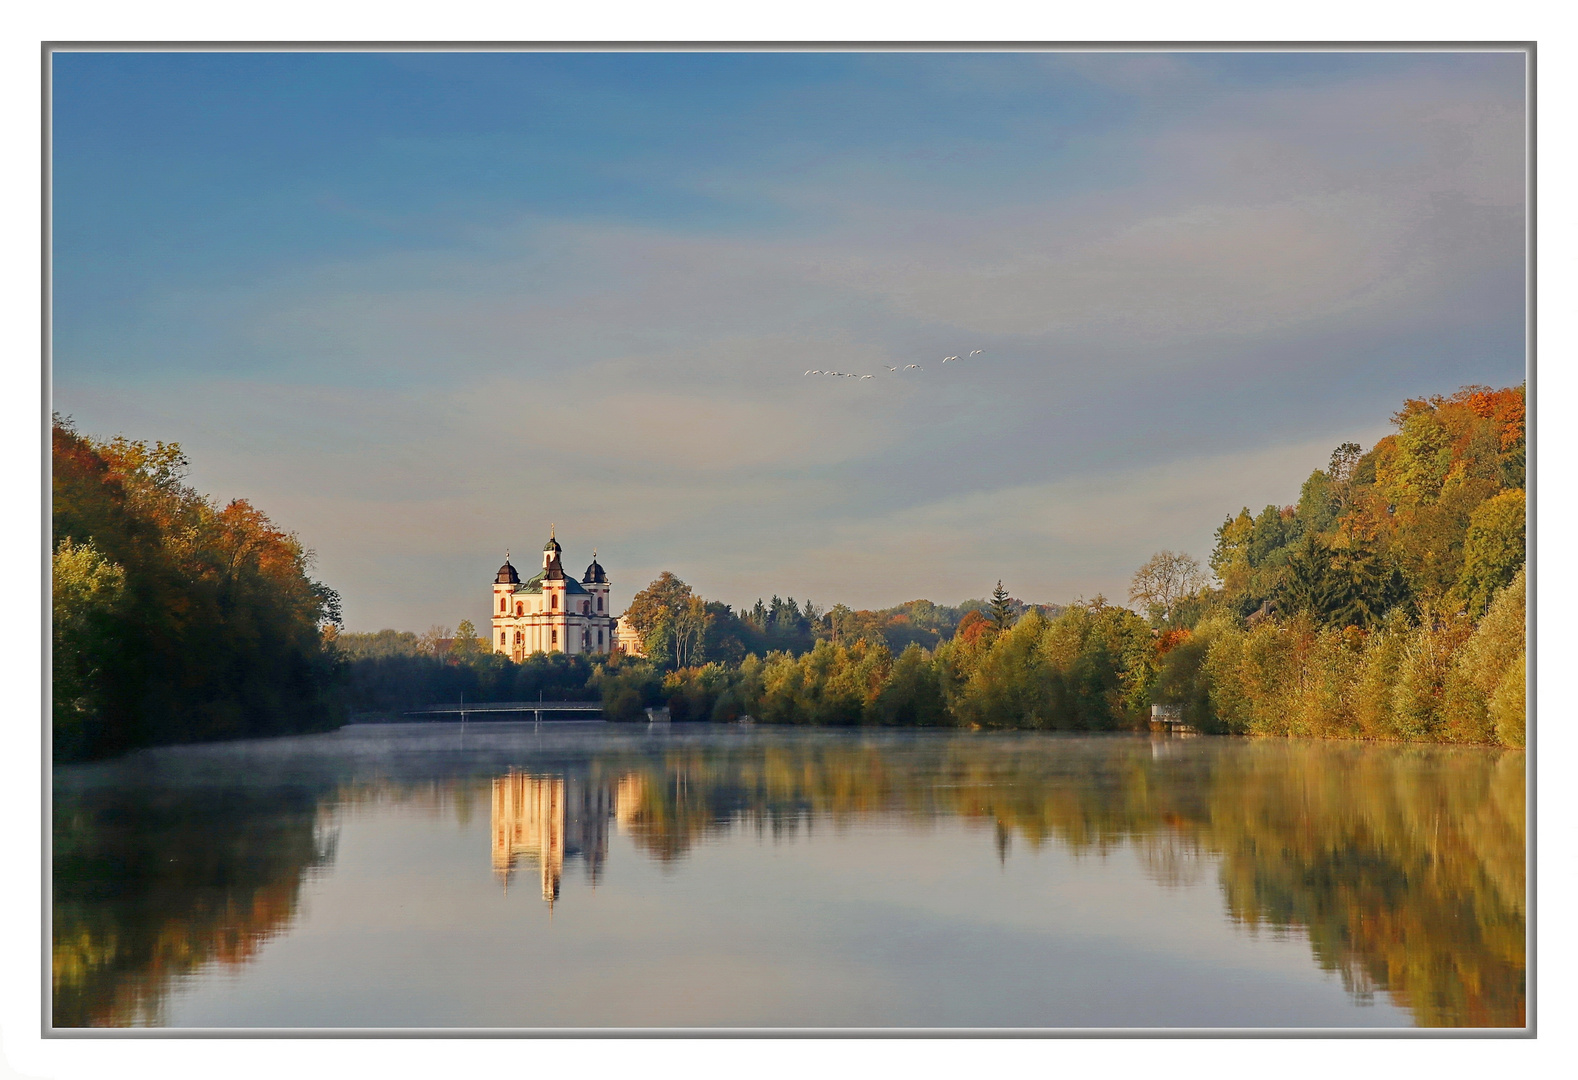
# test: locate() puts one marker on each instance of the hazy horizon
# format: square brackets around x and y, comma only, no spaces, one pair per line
[418,306]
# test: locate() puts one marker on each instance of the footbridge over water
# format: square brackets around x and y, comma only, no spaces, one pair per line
[465,710]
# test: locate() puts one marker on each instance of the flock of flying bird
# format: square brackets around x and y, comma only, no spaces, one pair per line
[892,368]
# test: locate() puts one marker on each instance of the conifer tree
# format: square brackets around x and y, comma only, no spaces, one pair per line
[1002,608]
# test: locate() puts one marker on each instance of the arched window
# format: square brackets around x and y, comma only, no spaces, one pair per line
[504,605]
[518,637]
[586,607]
[502,640]
[520,608]
[556,637]
[599,603]
[556,601]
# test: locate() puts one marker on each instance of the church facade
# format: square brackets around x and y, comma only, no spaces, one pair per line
[551,611]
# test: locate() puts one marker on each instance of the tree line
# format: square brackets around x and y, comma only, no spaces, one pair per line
[1388,602]
[176,618]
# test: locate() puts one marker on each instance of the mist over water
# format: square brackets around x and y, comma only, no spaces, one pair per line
[591,875]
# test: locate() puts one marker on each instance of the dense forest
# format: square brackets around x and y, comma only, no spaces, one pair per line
[176,619]
[1388,602]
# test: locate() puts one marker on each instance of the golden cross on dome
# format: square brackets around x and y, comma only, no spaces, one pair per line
[506,554]
[550,530]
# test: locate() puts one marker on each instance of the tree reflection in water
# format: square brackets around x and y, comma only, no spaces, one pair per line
[1403,865]
[147,888]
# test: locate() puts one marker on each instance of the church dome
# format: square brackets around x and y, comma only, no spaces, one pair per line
[552,545]
[595,574]
[507,575]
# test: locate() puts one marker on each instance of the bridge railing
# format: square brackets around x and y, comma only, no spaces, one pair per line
[469,708]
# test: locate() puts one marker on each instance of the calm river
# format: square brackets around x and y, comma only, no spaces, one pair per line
[592,875]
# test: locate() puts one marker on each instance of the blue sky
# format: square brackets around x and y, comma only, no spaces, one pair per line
[419,306]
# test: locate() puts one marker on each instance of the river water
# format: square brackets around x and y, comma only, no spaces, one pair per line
[589,875]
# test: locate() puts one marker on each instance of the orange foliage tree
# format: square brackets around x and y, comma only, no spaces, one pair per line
[217,630]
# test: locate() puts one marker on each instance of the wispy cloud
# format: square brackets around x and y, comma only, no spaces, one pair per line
[1189,282]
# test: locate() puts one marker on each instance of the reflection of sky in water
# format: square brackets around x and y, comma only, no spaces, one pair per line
[884,922]
[784,879]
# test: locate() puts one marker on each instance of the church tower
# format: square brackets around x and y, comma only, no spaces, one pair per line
[551,611]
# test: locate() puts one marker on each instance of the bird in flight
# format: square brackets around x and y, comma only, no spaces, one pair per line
[868,376]
[976,352]
[917,367]
[890,367]
[947,358]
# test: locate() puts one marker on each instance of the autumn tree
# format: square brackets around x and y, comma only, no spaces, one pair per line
[667,595]
[972,628]
[88,592]
[1165,580]
[674,622]
[217,630]
[687,629]
[467,644]
[430,641]
[1493,548]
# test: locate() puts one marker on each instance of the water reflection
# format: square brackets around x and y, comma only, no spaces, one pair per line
[150,887]
[1403,866]
[548,819]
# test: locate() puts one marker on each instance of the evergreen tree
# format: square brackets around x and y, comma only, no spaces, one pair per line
[1313,584]
[1002,608]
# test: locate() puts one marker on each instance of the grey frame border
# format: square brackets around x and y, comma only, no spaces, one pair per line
[49,48]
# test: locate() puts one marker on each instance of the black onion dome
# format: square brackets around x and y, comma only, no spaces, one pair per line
[507,575]
[595,575]
[552,545]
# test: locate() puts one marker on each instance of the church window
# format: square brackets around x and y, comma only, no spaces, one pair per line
[504,605]
[518,638]
[586,607]
[556,601]
[599,603]
[502,641]
[556,637]
[599,639]
[520,609]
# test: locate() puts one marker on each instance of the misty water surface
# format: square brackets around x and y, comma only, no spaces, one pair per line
[594,875]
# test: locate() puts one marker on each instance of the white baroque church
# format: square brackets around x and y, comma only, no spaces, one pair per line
[551,611]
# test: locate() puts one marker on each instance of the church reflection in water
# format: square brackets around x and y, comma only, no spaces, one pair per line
[1404,866]
[549,819]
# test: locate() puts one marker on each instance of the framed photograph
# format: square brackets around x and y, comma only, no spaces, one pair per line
[889,540]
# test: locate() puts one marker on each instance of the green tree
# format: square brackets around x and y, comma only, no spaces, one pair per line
[1484,699]
[1373,586]
[219,631]
[664,600]
[467,644]
[1002,608]
[688,631]
[1319,503]
[912,693]
[87,596]
[1313,584]
[1493,549]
